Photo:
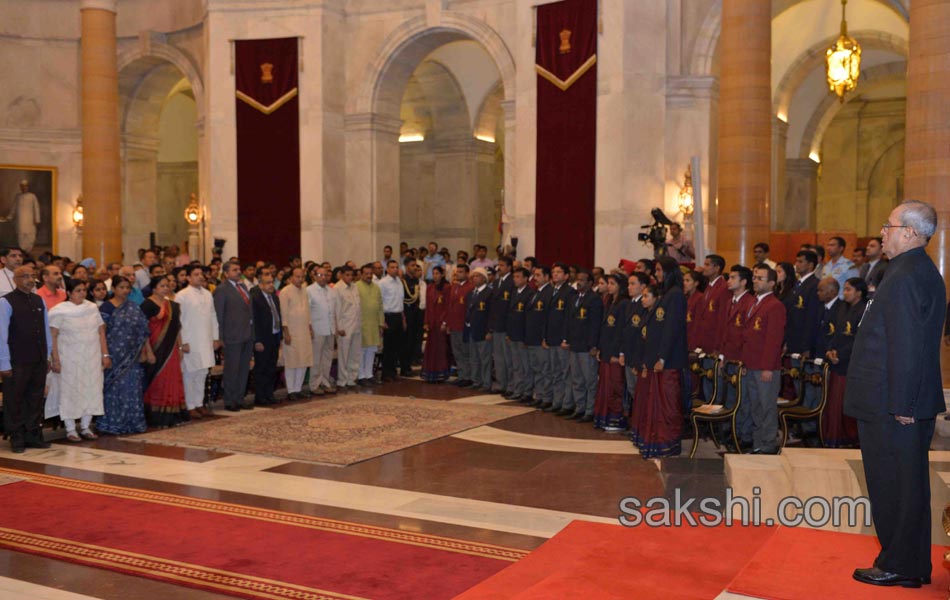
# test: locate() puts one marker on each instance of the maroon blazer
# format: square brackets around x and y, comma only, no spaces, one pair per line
[736,317]
[712,316]
[455,314]
[763,335]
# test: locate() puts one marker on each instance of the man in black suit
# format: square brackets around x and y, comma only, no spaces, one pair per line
[801,328]
[519,387]
[267,334]
[875,265]
[895,391]
[232,305]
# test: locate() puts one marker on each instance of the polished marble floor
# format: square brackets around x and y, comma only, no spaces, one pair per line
[515,482]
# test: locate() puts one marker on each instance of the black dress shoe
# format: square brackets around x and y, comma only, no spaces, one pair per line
[576,416]
[41,445]
[551,409]
[586,419]
[18,449]
[564,412]
[508,395]
[875,576]
[465,383]
[232,408]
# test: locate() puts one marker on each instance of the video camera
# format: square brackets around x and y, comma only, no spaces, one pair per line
[656,233]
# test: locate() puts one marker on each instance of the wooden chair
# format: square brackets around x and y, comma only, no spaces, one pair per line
[814,374]
[792,368]
[706,367]
[718,413]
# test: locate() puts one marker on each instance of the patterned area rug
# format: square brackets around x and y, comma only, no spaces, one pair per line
[339,431]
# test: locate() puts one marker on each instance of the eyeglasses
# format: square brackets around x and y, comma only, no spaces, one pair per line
[887,226]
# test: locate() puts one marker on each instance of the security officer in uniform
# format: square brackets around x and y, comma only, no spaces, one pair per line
[555,334]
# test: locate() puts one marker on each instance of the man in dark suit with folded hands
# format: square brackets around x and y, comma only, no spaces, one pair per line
[895,392]
[232,305]
[267,336]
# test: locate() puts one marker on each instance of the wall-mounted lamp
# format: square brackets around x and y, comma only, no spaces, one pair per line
[411,137]
[193,211]
[77,215]
[686,192]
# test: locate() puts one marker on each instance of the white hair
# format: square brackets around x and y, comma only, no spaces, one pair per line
[919,216]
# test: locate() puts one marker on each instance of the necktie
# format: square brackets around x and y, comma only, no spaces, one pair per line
[273,312]
[244,295]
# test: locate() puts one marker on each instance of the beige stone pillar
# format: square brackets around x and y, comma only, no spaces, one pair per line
[745,128]
[926,155]
[102,201]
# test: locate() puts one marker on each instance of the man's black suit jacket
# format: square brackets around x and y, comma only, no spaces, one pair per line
[895,363]
[263,320]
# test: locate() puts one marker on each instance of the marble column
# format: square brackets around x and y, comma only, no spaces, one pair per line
[745,128]
[800,195]
[926,161]
[102,231]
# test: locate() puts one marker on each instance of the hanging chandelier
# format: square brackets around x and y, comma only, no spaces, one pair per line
[843,61]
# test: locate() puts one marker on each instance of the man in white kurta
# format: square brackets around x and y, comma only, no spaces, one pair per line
[295,322]
[349,324]
[323,327]
[199,339]
[25,214]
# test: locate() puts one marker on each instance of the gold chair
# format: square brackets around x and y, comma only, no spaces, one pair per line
[815,375]
[718,413]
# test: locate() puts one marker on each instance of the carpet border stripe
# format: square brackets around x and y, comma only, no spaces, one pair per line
[162,569]
[284,518]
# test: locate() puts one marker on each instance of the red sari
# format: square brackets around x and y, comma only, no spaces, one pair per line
[435,359]
[164,388]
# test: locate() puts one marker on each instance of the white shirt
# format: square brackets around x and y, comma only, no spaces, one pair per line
[199,328]
[347,306]
[393,294]
[6,282]
[322,309]
[831,303]
[735,299]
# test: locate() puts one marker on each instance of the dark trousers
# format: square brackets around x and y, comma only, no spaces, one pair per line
[237,362]
[265,368]
[394,338]
[23,403]
[412,344]
[898,476]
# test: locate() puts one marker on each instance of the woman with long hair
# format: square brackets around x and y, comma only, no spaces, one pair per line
[694,286]
[79,354]
[127,334]
[164,387]
[838,430]
[659,424]
[97,292]
[608,407]
[786,282]
[435,359]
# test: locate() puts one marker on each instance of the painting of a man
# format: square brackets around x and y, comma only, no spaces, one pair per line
[26,196]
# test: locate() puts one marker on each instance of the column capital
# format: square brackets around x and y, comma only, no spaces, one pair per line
[109,5]
[372,122]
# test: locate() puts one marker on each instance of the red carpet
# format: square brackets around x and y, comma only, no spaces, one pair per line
[802,564]
[233,549]
[597,561]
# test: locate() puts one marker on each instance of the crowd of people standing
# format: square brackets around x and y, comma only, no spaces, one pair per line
[132,345]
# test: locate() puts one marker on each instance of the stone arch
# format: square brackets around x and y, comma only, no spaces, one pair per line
[825,112]
[705,47]
[814,58]
[408,44]
[136,61]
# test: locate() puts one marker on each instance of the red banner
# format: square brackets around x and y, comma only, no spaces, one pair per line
[268,149]
[566,63]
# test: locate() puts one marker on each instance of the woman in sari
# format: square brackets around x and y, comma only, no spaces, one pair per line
[659,423]
[127,335]
[79,354]
[164,387]
[608,407]
[435,360]
[838,430]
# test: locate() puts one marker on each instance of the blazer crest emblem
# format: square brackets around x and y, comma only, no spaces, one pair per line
[660,314]
[757,324]
[611,320]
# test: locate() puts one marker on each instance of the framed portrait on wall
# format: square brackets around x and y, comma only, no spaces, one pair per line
[27,198]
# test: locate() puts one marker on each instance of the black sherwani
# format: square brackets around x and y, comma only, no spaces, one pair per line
[895,370]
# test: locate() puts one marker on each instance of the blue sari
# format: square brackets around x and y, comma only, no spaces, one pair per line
[126,333]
